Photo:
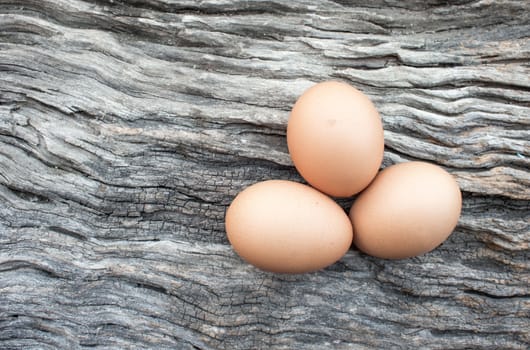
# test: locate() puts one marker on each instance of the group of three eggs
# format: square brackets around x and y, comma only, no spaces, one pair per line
[335,139]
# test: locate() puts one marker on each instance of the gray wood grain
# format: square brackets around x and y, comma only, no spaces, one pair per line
[127,127]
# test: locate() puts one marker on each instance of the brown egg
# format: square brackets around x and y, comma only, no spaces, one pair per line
[408,210]
[285,226]
[335,138]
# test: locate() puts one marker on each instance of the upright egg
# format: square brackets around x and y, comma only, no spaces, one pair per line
[408,210]
[335,138]
[284,226]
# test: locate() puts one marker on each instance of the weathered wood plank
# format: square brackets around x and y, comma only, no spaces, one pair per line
[126,128]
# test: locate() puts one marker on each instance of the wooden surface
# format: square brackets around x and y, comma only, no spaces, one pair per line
[127,127]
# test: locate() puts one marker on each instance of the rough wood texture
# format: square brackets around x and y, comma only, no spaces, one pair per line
[126,128]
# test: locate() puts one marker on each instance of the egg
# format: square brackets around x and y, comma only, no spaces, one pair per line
[287,227]
[335,138]
[408,210]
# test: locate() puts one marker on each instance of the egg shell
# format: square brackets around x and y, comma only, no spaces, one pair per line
[287,227]
[408,210]
[335,138]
